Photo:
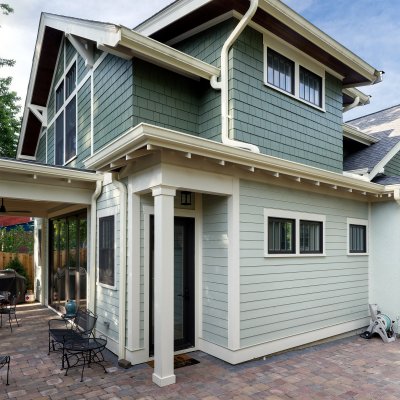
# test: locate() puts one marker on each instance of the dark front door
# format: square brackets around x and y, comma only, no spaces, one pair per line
[183,283]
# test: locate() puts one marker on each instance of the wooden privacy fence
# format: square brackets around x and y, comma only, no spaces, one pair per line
[25,259]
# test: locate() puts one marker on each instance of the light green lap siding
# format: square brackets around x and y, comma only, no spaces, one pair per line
[112,100]
[50,145]
[215,270]
[41,151]
[392,168]
[51,106]
[280,297]
[280,125]
[82,70]
[107,305]
[165,98]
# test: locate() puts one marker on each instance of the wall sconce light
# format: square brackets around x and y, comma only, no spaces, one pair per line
[186,198]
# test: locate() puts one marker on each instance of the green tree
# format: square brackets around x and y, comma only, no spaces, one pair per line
[10,122]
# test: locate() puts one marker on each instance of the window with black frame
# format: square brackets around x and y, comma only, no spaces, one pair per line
[65,132]
[106,251]
[357,238]
[310,87]
[311,237]
[280,71]
[281,236]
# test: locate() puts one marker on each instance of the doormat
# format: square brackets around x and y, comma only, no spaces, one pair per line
[180,361]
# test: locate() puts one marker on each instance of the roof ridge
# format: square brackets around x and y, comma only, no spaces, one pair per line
[375,112]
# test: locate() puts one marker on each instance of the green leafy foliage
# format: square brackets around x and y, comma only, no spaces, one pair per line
[16,240]
[10,122]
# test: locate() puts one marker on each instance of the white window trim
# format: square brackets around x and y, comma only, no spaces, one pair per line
[108,212]
[356,221]
[299,59]
[297,216]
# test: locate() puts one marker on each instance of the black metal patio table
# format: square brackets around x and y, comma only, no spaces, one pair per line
[82,352]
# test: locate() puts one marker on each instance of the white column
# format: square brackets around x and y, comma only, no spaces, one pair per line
[164,285]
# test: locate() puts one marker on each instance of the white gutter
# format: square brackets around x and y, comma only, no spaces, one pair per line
[122,265]
[396,195]
[93,237]
[223,85]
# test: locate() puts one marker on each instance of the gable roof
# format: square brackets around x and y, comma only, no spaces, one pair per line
[111,38]
[183,16]
[383,125]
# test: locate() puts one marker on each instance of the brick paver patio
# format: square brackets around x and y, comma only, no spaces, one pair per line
[351,368]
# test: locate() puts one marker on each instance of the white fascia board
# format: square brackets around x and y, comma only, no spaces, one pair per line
[290,18]
[24,168]
[170,14]
[381,165]
[161,53]
[146,134]
[357,135]
[99,32]
[353,93]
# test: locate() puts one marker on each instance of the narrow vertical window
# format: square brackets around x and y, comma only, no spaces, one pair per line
[70,129]
[281,236]
[310,88]
[357,238]
[60,96]
[70,81]
[311,237]
[280,71]
[106,251]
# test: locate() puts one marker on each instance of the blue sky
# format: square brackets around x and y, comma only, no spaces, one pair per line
[369,28]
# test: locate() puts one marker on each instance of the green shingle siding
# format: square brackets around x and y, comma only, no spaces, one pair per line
[60,66]
[50,144]
[215,270]
[280,125]
[69,52]
[392,168]
[51,106]
[165,98]
[113,89]
[281,297]
[41,151]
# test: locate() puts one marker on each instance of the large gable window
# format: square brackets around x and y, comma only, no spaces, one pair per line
[65,135]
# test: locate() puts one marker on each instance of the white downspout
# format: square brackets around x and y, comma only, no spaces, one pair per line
[396,195]
[122,266]
[354,104]
[223,85]
[93,237]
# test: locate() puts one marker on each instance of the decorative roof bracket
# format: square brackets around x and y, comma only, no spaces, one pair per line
[84,48]
[40,113]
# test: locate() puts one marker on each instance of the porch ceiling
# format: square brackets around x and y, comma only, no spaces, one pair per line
[36,190]
[145,139]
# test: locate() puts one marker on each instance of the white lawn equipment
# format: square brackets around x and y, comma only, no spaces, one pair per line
[380,324]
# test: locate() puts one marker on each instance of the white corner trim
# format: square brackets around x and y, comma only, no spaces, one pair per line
[234,266]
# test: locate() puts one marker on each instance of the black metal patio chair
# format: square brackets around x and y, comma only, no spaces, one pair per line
[10,310]
[62,330]
[5,360]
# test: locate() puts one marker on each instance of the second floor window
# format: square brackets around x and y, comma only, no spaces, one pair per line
[310,87]
[280,71]
[65,132]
